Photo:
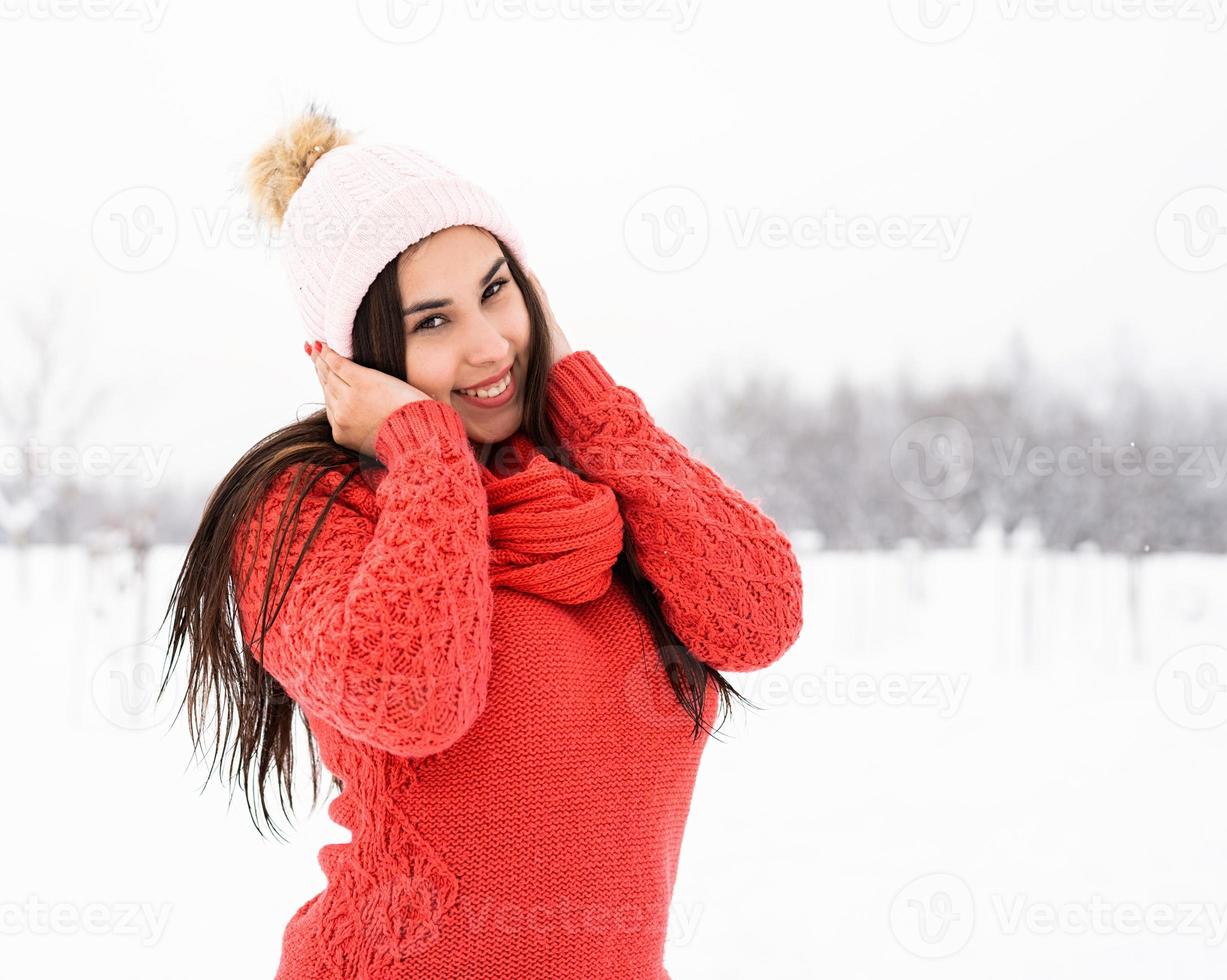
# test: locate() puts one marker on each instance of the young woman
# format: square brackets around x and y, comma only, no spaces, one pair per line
[496,592]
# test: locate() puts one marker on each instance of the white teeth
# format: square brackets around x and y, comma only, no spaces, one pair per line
[497,389]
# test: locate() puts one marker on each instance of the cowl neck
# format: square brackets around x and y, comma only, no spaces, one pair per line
[551,533]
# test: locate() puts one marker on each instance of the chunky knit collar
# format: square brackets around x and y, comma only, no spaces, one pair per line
[552,533]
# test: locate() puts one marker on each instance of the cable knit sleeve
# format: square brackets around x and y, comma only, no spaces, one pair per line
[729,581]
[385,631]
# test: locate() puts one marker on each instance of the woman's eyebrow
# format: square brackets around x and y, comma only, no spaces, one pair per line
[434,304]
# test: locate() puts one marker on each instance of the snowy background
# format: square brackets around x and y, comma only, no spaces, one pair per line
[895,268]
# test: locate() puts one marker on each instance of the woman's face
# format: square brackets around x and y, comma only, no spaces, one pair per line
[465,322]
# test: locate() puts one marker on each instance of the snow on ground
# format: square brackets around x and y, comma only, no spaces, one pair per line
[972,764]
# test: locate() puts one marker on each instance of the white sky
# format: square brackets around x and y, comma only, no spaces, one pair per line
[1055,142]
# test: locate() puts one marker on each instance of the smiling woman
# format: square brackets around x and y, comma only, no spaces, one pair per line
[441,623]
[468,340]
[477,338]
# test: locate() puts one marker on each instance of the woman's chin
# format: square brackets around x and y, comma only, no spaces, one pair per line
[494,430]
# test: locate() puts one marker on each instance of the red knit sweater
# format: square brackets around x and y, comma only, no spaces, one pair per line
[517,771]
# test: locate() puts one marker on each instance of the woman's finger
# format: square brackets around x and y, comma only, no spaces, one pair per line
[338,365]
[329,378]
[321,371]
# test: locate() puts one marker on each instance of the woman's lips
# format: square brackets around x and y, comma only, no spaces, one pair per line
[497,402]
[489,382]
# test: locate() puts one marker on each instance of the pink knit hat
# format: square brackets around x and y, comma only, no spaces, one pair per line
[345,210]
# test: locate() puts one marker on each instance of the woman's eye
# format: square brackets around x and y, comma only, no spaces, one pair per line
[486,295]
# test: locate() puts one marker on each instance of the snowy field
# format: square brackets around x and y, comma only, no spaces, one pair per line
[973,764]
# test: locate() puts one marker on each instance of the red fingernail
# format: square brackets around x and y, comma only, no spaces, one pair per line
[319,345]
[306,348]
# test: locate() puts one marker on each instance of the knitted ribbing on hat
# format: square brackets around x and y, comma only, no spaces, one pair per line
[357,209]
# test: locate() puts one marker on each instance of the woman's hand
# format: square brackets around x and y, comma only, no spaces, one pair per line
[558,341]
[358,399]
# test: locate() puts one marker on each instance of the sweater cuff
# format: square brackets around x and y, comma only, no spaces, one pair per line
[575,382]
[418,426]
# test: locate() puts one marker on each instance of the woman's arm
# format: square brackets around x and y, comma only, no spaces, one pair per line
[729,581]
[385,631]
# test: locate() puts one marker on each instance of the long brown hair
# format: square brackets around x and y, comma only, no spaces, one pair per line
[253,714]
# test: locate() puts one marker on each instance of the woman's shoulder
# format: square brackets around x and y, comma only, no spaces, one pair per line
[337,497]
[300,492]
[351,485]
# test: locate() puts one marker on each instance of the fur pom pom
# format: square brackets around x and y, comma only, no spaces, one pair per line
[279,167]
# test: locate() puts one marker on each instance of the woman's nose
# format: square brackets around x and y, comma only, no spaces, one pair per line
[487,345]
